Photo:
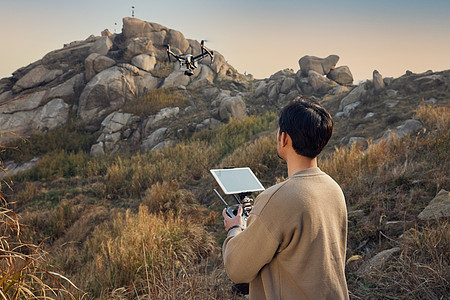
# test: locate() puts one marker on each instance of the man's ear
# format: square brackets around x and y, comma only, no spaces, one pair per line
[284,139]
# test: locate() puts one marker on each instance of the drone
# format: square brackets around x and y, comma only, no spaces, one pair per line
[189,60]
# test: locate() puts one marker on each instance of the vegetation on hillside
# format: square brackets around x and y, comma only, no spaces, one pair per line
[148,224]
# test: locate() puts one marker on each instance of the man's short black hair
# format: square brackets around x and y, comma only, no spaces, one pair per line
[308,124]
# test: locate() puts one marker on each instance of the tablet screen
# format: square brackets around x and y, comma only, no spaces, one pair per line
[237,180]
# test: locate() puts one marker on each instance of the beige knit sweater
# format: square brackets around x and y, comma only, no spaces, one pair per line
[295,241]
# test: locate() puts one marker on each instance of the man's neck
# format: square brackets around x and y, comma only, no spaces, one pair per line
[297,163]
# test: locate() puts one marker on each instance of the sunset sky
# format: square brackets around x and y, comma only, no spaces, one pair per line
[255,36]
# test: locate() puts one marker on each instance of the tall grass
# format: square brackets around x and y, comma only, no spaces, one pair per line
[23,273]
[146,254]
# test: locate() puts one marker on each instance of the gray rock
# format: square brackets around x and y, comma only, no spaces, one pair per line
[274,91]
[97,150]
[133,27]
[175,79]
[205,78]
[391,104]
[6,97]
[163,145]
[139,45]
[13,168]
[391,93]
[153,139]
[354,96]
[89,66]
[68,88]
[37,76]
[209,123]
[348,108]
[429,82]
[319,65]
[25,103]
[376,262]
[144,62]
[261,89]
[410,126]
[53,114]
[176,39]
[319,82]
[288,84]
[155,120]
[232,107]
[116,121]
[109,90]
[388,81]
[378,82]
[341,75]
[439,207]
[28,122]
[339,90]
[102,63]
[369,115]
[431,100]
[101,46]
[282,74]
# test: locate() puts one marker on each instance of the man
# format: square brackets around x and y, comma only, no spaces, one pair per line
[295,241]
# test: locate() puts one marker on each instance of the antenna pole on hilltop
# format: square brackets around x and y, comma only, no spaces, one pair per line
[132,11]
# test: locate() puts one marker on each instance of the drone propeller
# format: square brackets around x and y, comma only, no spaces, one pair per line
[168,52]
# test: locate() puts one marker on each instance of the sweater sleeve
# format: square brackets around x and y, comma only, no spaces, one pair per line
[246,253]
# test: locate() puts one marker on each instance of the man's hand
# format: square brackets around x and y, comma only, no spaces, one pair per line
[235,221]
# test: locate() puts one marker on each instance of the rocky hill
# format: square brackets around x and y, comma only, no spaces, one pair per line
[94,81]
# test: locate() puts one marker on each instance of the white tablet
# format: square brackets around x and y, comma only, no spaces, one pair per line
[237,180]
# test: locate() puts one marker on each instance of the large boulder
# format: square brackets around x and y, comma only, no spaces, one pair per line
[176,39]
[153,139]
[176,79]
[144,62]
[287,85]
[133,27]
[378,82]
[261,89]
[95,63]
[409,127]
[28,122]
[232,107]
[205,78]
[138,45]
[341,75]
[101,46]
[354,96]
[111,88]
[376,262]
[319,65]
[319,82]
[67,89]
[37,76]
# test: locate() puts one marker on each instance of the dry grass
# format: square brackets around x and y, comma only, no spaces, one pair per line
[143,254]
[154,101]
[421,271]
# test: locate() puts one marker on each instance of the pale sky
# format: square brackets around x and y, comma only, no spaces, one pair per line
[259,37]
